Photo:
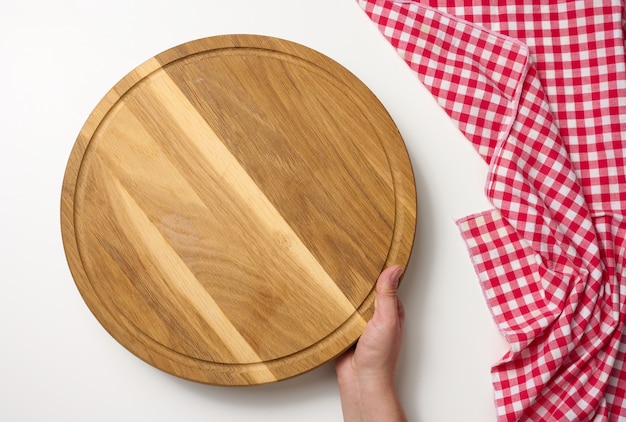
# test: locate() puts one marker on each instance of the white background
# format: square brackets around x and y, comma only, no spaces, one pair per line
[58,364]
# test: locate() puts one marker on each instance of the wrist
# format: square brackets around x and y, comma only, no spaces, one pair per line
[376,384]
[383,393]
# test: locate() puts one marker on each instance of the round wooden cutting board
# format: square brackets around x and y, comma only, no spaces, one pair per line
[228,206]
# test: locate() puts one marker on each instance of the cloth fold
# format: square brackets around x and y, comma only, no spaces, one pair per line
[540,91]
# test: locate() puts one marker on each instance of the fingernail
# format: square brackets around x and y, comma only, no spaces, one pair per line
[395,276]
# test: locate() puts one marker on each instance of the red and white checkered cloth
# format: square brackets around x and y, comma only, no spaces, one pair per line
[539,88]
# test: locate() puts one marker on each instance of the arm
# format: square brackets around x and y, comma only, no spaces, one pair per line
[366,374]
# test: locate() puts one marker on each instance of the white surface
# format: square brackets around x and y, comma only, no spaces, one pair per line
[58,364]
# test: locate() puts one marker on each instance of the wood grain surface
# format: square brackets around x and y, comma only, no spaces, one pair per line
[228,206]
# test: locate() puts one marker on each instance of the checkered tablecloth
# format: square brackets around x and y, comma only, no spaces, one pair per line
[539,88]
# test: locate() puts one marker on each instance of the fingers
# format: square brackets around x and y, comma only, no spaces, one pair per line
[387,306]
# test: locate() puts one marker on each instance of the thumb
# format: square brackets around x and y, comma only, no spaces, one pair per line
[386,303]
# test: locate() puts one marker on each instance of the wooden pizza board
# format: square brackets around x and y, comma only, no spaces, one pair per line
[228,206]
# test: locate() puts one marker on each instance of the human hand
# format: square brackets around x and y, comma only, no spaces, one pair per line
[366,373]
